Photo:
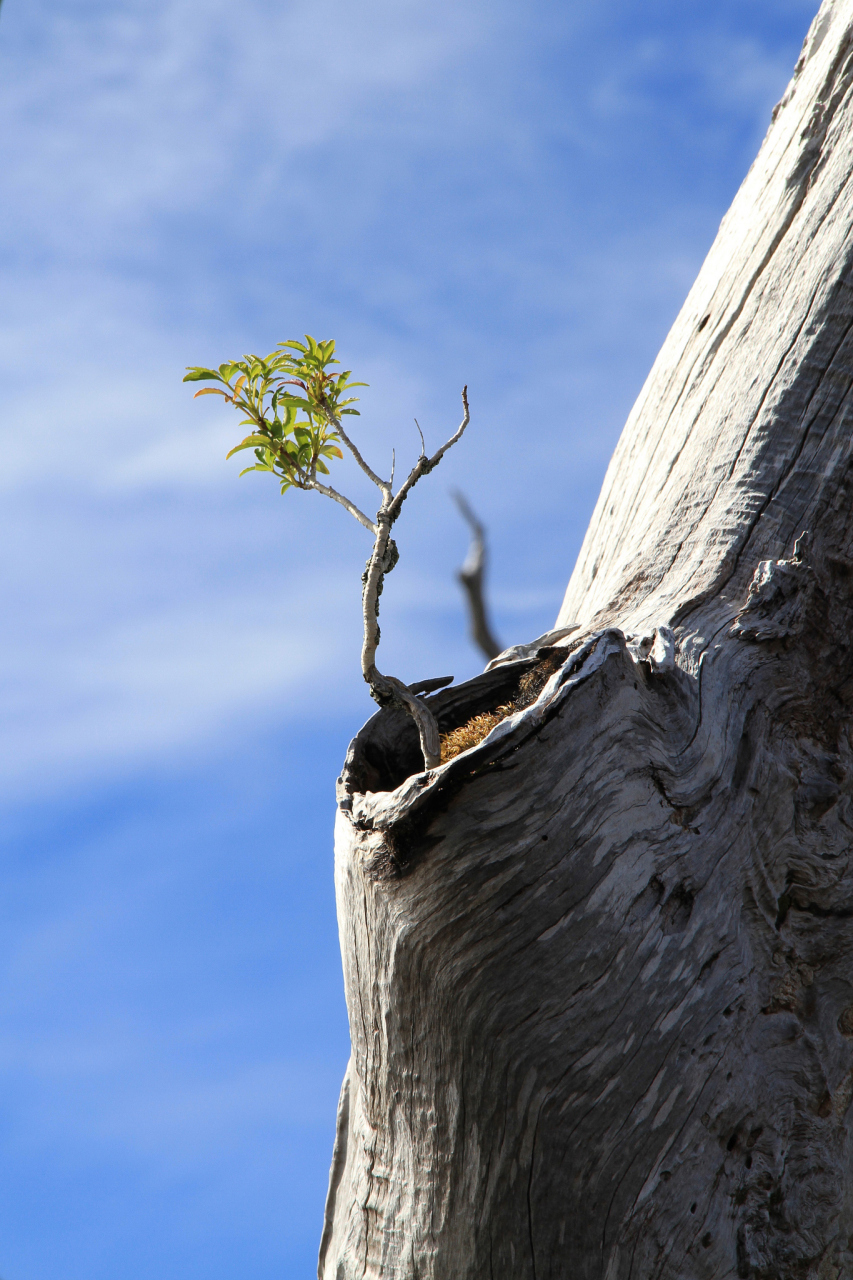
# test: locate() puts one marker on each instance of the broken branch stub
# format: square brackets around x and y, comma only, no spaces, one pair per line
[472,579]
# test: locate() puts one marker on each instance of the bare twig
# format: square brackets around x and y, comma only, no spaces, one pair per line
[368,470]
[424,465]
[431,686]
[471,577]
[328,492]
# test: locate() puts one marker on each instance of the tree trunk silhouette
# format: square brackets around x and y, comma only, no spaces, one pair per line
[599,967]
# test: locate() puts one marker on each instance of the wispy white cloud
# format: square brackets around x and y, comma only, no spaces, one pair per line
[743,74]
[408,175]
[158,679]
[114,1090]
[163,107]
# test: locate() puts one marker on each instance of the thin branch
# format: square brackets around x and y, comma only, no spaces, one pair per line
[471,577]
[387,690]
[329,492]
[477,529]
[393,468]
[457,435]
[423,442]
[368,470]
[424,465]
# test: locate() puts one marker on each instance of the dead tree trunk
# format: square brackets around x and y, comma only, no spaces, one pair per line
[599,967]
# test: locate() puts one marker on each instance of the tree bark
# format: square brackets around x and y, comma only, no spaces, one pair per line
[599,967]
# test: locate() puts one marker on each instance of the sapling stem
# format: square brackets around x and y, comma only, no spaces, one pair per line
[388,690]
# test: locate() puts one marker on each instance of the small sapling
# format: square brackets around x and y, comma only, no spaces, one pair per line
[294,406]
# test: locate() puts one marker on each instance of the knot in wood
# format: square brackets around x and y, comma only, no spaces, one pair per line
[777,600]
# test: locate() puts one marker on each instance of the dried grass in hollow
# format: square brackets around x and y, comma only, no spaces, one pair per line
[475,730]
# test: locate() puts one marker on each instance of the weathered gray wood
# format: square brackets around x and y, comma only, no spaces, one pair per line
[599,968]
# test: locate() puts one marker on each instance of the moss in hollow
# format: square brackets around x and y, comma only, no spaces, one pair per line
[531,684]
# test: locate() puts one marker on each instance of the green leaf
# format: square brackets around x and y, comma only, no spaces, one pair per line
[249,443]
[291,434]
[297,402]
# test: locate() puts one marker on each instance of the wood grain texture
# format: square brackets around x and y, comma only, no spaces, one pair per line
[599,968]
[727,453]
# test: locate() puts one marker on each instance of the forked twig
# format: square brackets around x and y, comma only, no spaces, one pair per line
[387,689]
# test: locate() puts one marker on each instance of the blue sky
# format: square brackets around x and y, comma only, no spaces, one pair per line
[516,196]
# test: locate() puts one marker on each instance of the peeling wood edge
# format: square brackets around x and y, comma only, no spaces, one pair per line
[400,817]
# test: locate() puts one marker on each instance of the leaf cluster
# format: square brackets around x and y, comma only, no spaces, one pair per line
[293,432]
